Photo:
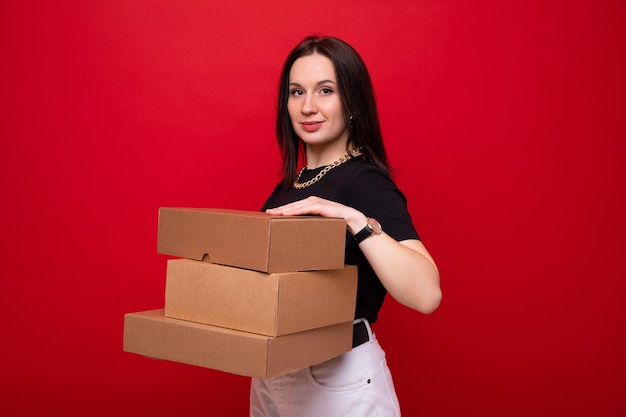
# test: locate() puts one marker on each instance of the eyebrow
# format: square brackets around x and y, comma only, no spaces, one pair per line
[319,83]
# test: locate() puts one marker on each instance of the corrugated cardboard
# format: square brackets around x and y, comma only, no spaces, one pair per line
[252,240]
[151,334]
[269,304]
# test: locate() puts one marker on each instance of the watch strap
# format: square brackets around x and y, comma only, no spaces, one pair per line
[363,234]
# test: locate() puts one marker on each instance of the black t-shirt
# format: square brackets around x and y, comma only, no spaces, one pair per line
[369,189]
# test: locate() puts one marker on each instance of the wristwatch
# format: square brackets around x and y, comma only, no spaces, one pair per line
[371,228]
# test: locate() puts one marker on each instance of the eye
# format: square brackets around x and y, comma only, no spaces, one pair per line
[296,92]
[326,90]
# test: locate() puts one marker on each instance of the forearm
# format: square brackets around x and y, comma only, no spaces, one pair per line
[406,270]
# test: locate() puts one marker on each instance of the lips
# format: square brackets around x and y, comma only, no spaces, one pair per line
[311,126]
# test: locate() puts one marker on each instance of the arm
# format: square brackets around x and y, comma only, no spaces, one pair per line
[405,268]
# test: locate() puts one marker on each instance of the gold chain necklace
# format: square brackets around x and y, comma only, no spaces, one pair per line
[351,154]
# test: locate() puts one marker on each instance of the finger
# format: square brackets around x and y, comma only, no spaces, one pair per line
[298,208]
[294,206]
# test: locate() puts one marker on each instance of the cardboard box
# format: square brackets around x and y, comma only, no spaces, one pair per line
[252,240]
[151,334]
[269,304]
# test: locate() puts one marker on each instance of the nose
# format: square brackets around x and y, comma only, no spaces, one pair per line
[309,105]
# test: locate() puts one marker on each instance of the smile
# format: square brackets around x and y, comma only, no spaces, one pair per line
[311,126]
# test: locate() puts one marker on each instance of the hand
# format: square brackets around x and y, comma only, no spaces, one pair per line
[355,220]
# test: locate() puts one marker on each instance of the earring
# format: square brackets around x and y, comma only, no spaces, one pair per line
[351,120]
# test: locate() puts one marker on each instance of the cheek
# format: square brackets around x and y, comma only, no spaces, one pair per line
[340,122]
[337,114]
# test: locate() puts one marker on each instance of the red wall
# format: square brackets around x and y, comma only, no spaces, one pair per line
[506,126]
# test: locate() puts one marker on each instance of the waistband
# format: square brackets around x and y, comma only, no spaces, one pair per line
[362,332]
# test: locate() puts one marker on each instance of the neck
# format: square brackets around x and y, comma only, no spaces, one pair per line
[317,156]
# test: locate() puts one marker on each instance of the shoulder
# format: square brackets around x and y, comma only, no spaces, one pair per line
[364,176]
[361,170]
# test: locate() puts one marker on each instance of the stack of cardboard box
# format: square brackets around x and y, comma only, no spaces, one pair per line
[249,293]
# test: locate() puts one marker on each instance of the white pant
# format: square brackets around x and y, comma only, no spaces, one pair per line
[355,384]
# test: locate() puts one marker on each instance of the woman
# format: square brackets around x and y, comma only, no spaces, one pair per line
[327,116]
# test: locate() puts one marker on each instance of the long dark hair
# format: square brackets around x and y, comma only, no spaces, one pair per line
[357,100]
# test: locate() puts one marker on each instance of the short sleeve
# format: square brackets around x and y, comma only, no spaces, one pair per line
[375,194]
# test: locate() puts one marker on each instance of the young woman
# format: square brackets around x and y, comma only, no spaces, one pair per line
[327,117]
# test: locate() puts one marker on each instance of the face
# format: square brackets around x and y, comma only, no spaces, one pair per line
[314,104]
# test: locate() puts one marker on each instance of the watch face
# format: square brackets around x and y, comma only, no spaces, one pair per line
[374,226]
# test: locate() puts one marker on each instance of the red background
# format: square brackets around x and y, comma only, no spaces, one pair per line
[505,123]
